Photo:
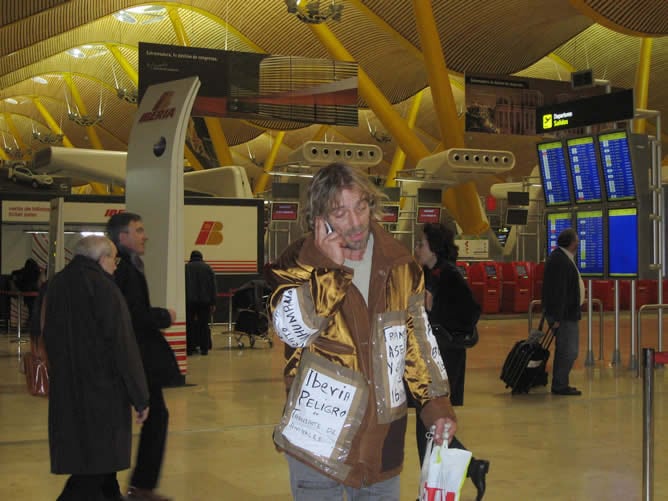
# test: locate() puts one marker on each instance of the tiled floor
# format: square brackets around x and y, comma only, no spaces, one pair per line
[541,447]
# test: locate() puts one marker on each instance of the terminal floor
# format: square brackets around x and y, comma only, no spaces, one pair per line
[541,446]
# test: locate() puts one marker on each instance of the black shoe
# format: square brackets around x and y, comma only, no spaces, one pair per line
[478,469]
[569,390]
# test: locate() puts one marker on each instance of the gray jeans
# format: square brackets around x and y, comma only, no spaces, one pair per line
[566,352]
[308,484]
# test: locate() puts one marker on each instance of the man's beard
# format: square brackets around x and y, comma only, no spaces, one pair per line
[358,244]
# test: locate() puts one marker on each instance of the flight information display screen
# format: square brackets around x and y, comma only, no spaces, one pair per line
[589,226]
[623,242]
[556,223]
[554,174]
[584,169]
[616,166]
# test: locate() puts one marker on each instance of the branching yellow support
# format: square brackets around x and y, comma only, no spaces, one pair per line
[269,163]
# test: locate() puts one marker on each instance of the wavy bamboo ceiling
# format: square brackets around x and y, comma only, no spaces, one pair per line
[40,82]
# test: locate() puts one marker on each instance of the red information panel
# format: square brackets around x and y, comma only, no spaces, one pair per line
[429,215]
[284,211]
[390,214]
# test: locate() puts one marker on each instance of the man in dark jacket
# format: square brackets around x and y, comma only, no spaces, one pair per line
[126,229]
[95,374]
[200,303]
[563,293]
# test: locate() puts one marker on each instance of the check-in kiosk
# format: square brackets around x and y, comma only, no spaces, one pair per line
[537,273]
[463,268]
[485,280]
[516,287]
[604,290]
[645,290]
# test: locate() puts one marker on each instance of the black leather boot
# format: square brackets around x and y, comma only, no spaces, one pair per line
[478,469]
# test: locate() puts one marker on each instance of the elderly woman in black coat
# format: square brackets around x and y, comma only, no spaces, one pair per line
[95,371]
[450,305]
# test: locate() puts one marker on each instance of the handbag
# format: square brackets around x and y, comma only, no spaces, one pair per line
[456,339]
[36,368]
[443,472]
[35,364]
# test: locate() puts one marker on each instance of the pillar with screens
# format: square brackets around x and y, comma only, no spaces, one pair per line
[623,242]
[616,166]
[591,255]
[554,174]
[556,223]
[584,169]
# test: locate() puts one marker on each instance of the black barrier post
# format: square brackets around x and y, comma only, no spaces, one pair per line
[648,425]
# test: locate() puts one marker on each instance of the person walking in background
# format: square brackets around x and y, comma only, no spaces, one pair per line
[95,371]
[450,305]
[563,295]
[348,303]
[126,229]
[28,279]
[200,303]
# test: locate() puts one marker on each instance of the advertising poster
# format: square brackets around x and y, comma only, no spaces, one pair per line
[501,104]
[257,86]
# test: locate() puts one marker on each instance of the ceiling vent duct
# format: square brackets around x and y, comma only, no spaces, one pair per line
[468,161]
[325,153]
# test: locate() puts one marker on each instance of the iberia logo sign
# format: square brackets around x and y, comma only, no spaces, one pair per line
[211,233]
[161,110]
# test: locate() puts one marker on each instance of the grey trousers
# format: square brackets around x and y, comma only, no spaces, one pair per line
[308,484]
[566,352]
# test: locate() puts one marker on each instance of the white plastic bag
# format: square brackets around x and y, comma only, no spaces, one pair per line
[443,472]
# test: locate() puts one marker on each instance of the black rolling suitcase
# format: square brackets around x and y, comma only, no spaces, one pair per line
[524,367]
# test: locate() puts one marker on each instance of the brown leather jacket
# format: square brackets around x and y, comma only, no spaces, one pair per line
[317,309]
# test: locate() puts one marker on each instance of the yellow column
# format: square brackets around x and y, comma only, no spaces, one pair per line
[437,73]
[320,133]
[125,65]
[641,89]
[81,106]
[269,163]
[219,140]
[94,139]
[53,125]
[192,158]
[179,29]
[15,132]
[392,121]
[399,158]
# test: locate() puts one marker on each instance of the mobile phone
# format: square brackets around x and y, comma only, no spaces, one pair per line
[328,227]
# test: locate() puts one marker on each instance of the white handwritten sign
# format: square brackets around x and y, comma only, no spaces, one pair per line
[433,346]
[395,345]
[289,321]
[320,412]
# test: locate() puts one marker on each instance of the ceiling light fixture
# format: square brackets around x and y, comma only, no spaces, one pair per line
[128,95]
[40,80]
[311,12]
[84,120]
[48,138]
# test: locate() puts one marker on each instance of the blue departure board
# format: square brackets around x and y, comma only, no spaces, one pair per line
[589,226]
[584,169]
[623,242]
[616,166]
[554,174]
[556,223]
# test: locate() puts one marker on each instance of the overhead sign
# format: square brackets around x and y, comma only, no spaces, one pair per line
[254,86]
[611,107]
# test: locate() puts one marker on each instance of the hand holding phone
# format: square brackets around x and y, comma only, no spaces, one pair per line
[328,227]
